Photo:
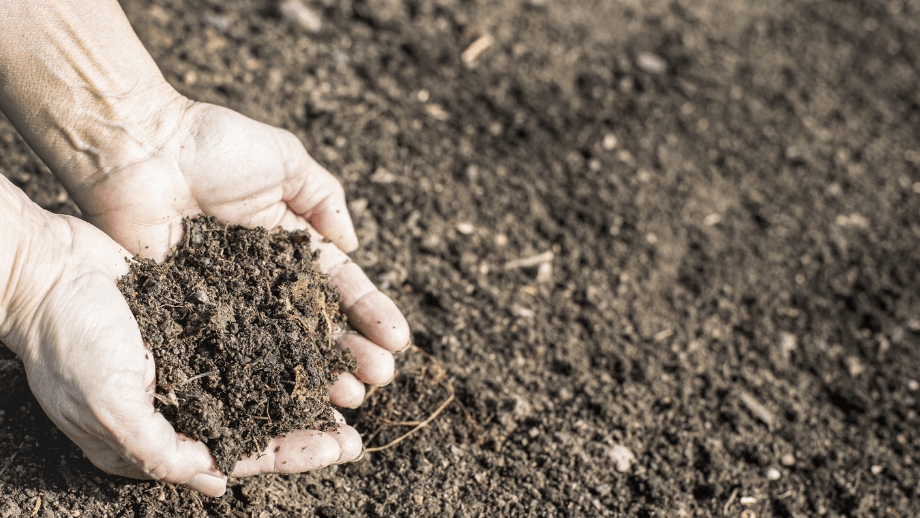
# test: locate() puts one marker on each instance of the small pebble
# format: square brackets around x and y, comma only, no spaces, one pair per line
[788,460]
[788,341]
[712,219]
[748,500]
[773,474]
[651,63]
[302,15]
[465,228]
[913,385]
[876,469]
[220,22]
[200,296]
[623,457]
[610,141]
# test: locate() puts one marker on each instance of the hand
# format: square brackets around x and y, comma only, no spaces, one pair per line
[137,157]
[86,363]
[213,160]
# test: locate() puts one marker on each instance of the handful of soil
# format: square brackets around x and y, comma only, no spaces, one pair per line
[240,322]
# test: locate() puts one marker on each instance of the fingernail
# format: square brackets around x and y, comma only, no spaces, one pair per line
[404,349]
[388,382]
[360,455]
[208,485]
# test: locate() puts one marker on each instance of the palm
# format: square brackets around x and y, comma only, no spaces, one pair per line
[86,327]
[220,163]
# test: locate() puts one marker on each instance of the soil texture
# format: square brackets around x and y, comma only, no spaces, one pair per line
[241,324]
[663,253]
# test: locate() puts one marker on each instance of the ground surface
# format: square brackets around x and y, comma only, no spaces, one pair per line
[727,194]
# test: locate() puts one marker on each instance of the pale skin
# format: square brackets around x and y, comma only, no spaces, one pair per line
[137,157]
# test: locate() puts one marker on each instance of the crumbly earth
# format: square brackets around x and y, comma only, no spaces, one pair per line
[719,204]
[241,324]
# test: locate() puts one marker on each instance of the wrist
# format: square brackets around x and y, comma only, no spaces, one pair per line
[109,133]
[81,89]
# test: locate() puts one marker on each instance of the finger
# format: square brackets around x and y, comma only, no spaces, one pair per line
[208,485]
[349,440]
[347,391]
[163,455]
[296,452]
[369,311]
[376,365]
[119,405]
[311,191]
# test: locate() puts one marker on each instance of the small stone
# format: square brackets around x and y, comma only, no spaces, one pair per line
[220,22]
[788,341]
[521,311]
[876,469]
[788,460]
[622,456]
[306,18]
[382,176]
[610,142]
[773,474]
[200,296]
[651,63]
[465,228]
[854,365]
[913,385]
[748,500]
[712,219]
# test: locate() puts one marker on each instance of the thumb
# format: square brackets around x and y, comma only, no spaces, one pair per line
[153,448]
[313,193]
[148,445]
[161,454]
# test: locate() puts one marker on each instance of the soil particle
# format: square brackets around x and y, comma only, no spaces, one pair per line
[240,323]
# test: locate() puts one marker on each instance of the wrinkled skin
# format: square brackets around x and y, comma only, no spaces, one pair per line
[69,318]
[137,157]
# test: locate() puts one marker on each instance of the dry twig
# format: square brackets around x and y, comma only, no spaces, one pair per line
[432,417]
[528,262]
[193,378]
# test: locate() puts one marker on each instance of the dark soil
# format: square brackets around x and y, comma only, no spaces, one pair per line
[241,325]
[719,204]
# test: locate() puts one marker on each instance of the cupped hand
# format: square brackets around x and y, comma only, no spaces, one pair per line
[202,158]
[88,368]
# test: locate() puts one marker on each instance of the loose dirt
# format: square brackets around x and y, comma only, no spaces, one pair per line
[665,251]
[241,324]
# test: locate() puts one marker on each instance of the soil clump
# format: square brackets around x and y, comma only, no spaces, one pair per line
[240,322]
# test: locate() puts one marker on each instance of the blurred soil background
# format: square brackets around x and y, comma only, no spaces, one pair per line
[664,252]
